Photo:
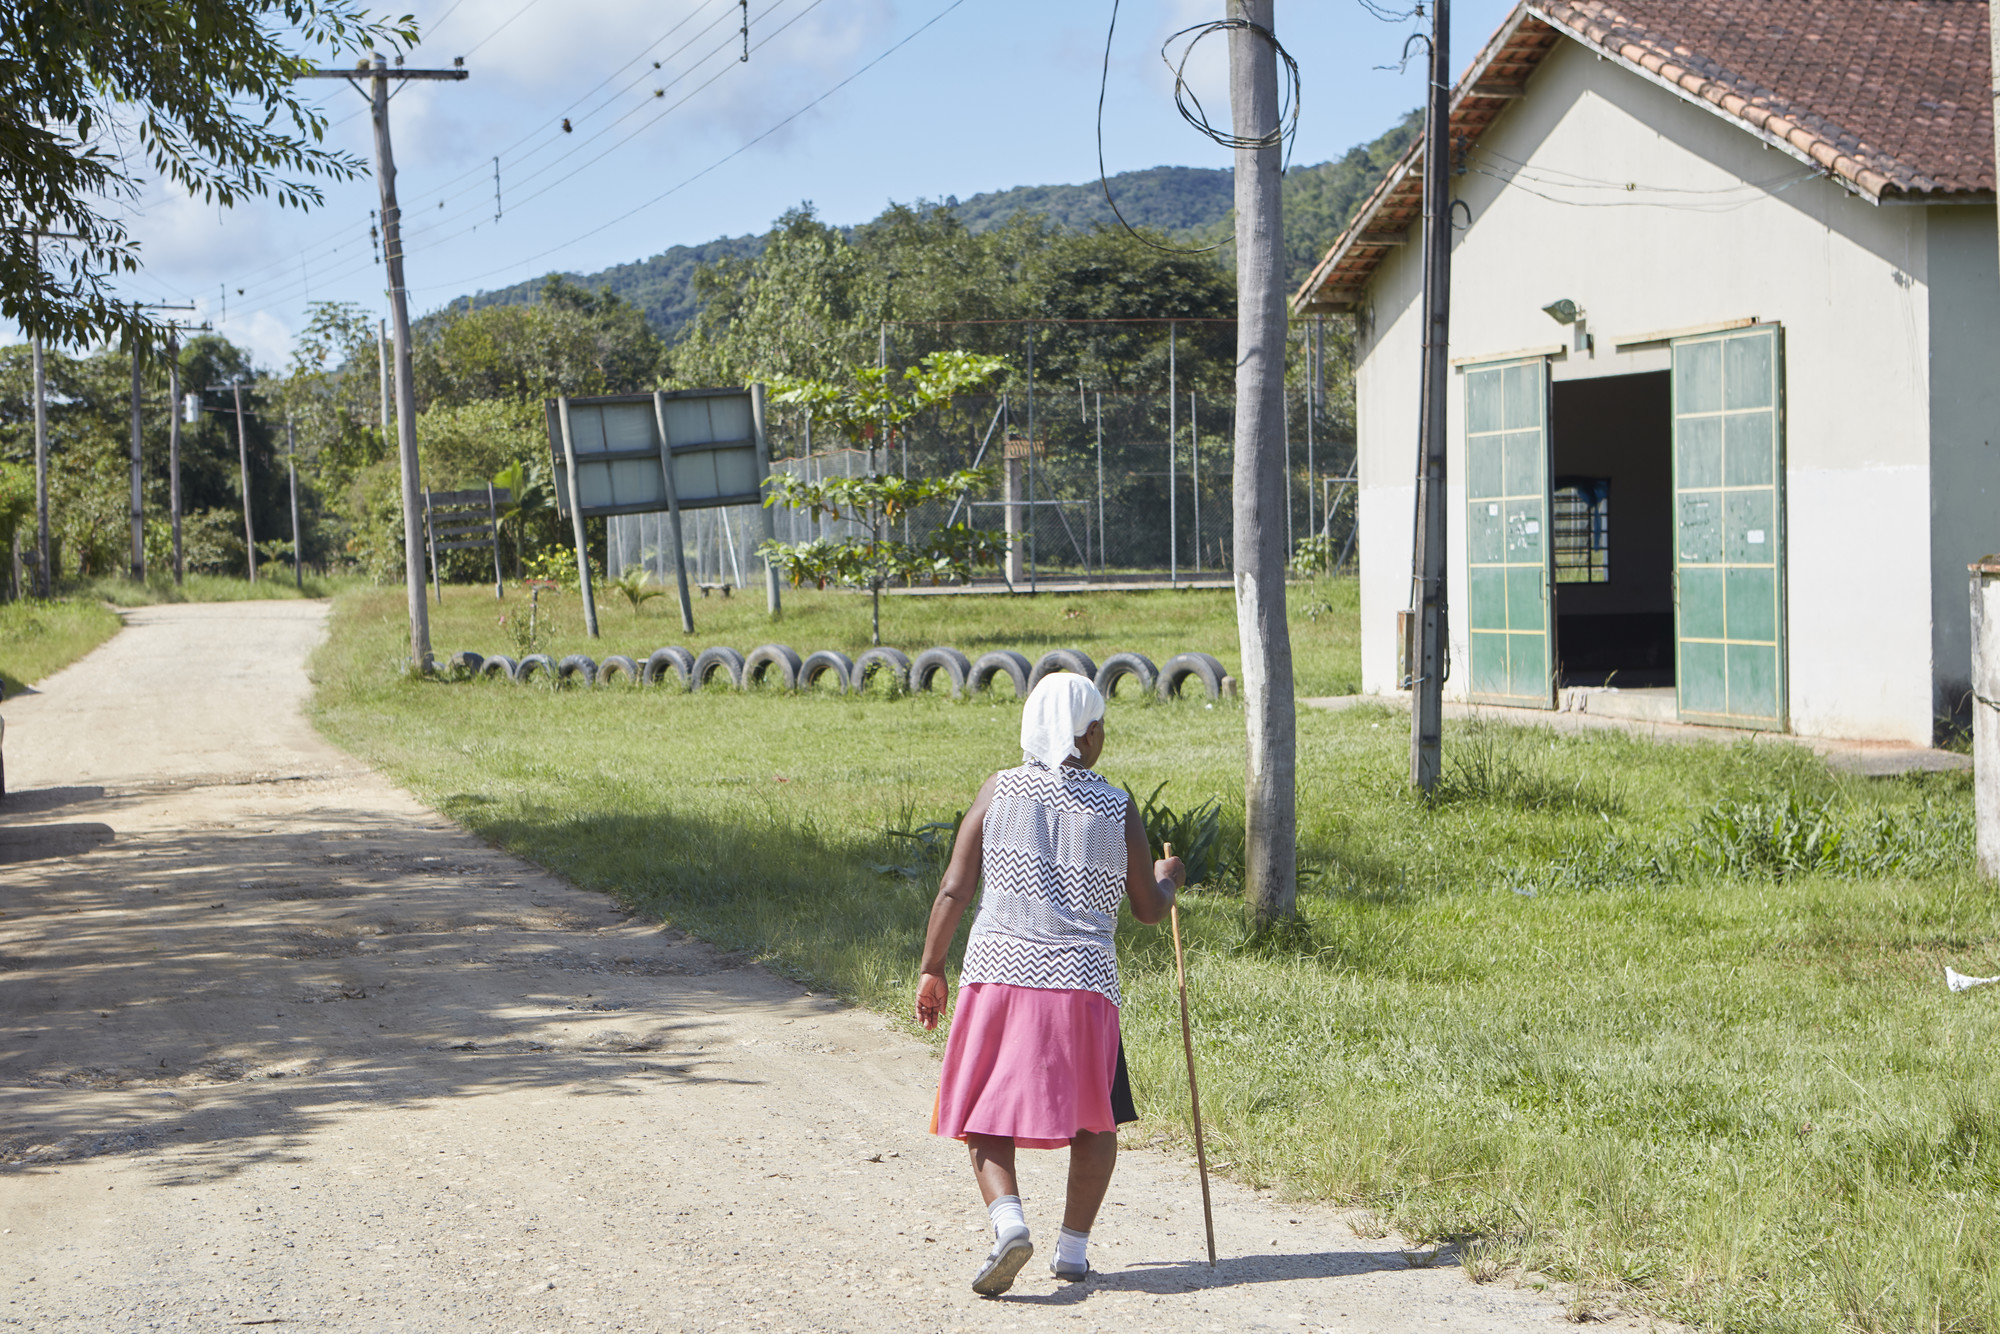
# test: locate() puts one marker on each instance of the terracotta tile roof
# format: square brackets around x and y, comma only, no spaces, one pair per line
[1891,97]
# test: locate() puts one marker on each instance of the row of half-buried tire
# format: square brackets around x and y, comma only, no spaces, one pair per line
[779,667]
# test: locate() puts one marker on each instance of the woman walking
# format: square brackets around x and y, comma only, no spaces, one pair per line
[1034,1058]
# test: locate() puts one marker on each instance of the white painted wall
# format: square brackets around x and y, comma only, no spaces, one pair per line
[1965,432]
[1717,228]
[1386,376]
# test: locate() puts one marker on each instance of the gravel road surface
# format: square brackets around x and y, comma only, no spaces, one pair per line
[279,1045]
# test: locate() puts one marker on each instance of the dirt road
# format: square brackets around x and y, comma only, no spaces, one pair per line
[278,1045]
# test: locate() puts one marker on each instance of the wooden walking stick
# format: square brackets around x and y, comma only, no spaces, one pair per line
[1194,1092]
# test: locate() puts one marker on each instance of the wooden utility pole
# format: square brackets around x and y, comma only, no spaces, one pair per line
[1270,852]
[138,438]
[378,75]
[44,578]
[292,468]
[1427,651]
[138,476]
[174,448]
[243,474]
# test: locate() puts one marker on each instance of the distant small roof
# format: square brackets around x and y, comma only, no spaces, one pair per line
[1892,98]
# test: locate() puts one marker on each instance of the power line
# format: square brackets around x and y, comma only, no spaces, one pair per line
[446,189]
[287,289]
[713,166]
[664,112]
[445,192]
[502,28]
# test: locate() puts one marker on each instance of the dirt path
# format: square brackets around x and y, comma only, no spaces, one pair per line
[280,1045]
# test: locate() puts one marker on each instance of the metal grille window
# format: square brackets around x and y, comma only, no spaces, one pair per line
[1582,530]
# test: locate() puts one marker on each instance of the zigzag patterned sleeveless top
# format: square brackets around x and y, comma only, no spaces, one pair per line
[1054,868]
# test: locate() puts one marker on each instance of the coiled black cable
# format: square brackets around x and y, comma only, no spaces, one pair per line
[1285,131]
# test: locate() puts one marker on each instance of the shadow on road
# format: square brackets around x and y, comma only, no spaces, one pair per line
[1163,1277]
[229,987]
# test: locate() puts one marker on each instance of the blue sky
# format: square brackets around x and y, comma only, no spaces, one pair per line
[992,94]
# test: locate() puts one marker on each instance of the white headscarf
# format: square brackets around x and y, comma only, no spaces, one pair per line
[1056,714]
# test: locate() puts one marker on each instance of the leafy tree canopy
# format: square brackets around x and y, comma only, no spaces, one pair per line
[205,88]
[572,341]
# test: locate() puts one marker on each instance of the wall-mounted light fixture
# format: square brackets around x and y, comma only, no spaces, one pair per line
[1568,312]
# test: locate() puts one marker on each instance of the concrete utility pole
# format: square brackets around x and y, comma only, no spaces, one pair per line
[1430,631]
[243,474]
[378,74]
[1986,713]
[1270,851]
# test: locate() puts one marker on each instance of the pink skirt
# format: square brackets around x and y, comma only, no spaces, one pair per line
[1028,1063]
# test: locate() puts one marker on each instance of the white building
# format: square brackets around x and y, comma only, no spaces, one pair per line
[1752,471]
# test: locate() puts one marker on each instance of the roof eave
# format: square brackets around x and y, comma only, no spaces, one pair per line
[1472,87]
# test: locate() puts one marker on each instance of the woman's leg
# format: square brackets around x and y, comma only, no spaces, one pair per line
[993,1164]
[1091,1158]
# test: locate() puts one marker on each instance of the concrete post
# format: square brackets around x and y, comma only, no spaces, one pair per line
[1017,571]
[1986,712]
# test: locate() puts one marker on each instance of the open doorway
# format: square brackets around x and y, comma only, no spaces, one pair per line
[1611,530]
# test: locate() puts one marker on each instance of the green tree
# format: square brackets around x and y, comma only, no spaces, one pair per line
[571,341]
[529,512]
[17,504]
[866,406]
[90,423]
[202,92]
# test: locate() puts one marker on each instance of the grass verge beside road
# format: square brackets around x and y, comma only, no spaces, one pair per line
[40,638]
[1665,1023]
[122,591]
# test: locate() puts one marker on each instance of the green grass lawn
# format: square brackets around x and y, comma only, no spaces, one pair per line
[1665,1023]
[38,638]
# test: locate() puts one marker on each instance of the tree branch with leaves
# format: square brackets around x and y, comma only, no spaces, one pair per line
[204,87]
[867,407]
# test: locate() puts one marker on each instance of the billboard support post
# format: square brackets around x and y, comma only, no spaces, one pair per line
[673,513]
[576,519]
[772,603]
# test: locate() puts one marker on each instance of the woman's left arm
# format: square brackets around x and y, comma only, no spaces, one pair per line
[960,883]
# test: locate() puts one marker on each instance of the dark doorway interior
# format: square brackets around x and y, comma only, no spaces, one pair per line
[1611,531]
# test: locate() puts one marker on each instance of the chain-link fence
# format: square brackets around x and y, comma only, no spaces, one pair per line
[1107,482]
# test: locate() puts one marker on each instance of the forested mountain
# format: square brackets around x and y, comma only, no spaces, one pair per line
[1190,203]
[661,287]
[1170,199]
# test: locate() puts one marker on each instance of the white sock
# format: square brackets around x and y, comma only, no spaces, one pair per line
[1070,1246]
[1006,1215]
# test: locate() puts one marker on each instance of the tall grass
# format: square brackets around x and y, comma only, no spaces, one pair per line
[274,583]
[1550,1015]
[38,638]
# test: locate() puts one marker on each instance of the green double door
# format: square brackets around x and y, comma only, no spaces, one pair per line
[1510,619]
[1729,527]
[1728,516]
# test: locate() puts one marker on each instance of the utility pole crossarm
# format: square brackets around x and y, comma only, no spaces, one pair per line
[369,72]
